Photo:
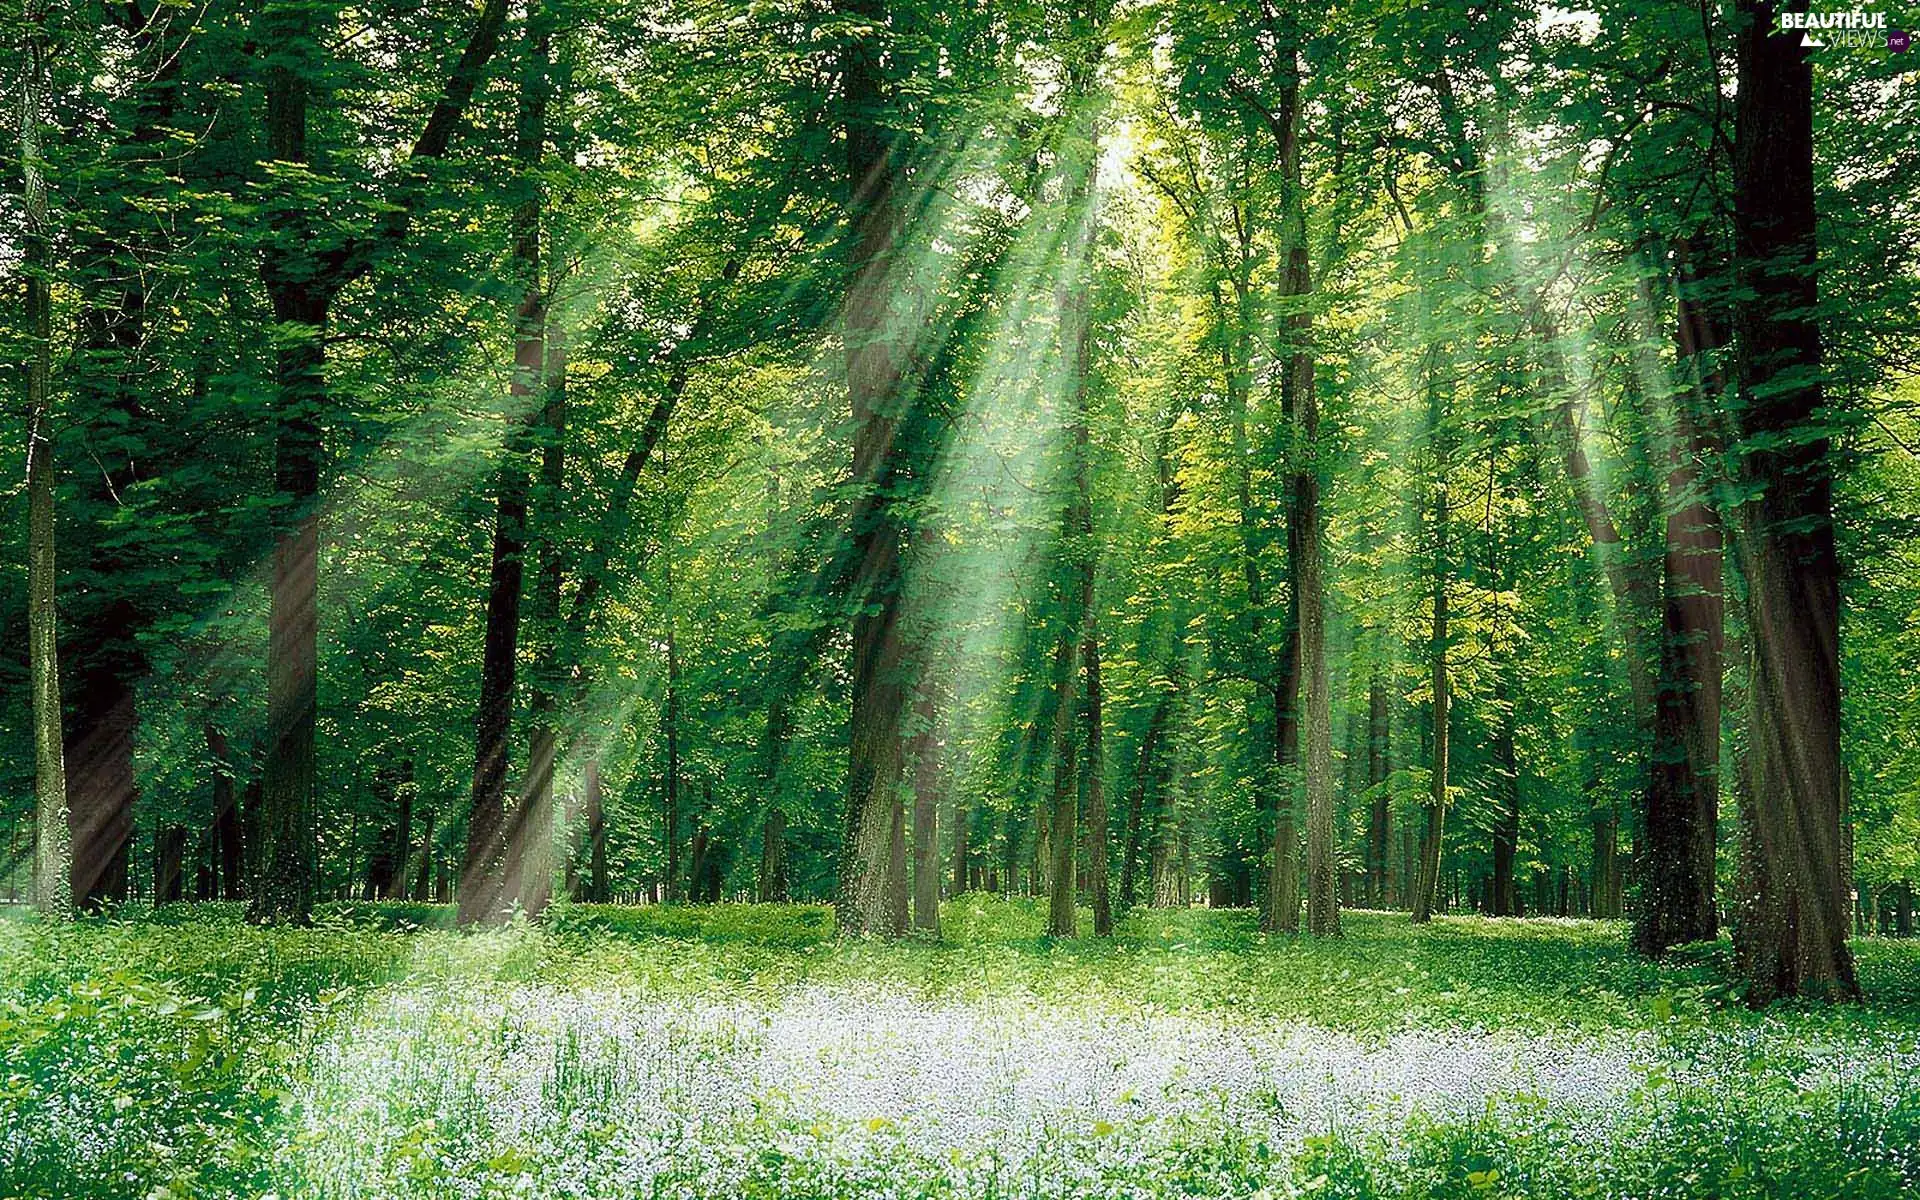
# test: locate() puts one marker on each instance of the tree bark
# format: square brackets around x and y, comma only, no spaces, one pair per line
[533,820]
[1308,684]
[1683,787]
[169,860]
[1792,935]
[961,881]
[670,789]
[1380,814]
[1506,836]
[1606,855]
[1427,884]
[1096,789]
[1144,777]
[875,752]
[228,836]
[483,889]
[1062,814]
[53,891]
[773,858]
[926,814]
[598,889]
[303,272]
[492,874]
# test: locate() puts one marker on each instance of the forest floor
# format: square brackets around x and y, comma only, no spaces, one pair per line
[739,1051]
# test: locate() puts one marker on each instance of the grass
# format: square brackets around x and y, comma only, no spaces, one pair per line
[745,1051]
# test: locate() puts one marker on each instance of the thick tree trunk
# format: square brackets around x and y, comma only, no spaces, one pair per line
[302,280]
[875,753]
[482,885]
[286,887]
[493,871]
[698,851]
[399,842]
[1308,688]
[107,659]
[53,890]
[1683,787]
[101,787]
[1792,934]
[301,291]
[533,819]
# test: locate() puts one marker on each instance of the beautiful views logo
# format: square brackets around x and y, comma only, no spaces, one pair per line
[1853,29]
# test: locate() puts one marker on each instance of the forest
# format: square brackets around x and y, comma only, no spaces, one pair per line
[1003,598]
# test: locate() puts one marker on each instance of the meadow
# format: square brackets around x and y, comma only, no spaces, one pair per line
[744,1051]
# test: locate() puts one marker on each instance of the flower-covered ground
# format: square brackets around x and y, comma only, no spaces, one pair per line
[744,1052]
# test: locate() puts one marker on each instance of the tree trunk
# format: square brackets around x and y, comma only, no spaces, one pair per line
[1428,882]
[1079,155]
[698,851]
[1143,792]
[1683,786]
[169,860]
[897,899]
[301,293]
[961,881]
[670,786]
[926,814]
[1380,814]
[1506,836]
[423,874]
[1096,787]
[773,858]
[228,838]
[493,872]
[108,660]
[401,843]
[1606,855]
[53,890]
[875,753]
[1062,811]
[1792,935]
[1300,400]
[533,816]
[303,271]
[598,889]
[482,890]
[101,787]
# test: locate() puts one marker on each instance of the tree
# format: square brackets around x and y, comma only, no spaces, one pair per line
[498,841]
[1795,912]
[305,268]
[52,849]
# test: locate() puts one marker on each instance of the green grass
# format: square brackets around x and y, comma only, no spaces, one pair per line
[746,1051]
